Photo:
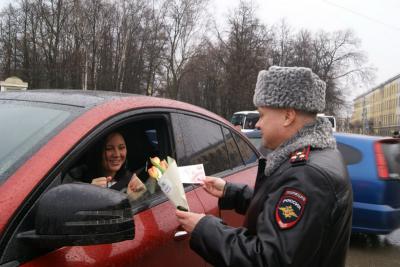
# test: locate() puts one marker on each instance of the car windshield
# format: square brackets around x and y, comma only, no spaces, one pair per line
[25,127]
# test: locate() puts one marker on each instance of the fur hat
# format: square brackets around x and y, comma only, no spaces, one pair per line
[290,87]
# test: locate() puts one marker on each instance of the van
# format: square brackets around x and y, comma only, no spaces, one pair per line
[245,119]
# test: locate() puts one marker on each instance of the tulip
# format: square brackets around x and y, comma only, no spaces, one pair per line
[154,172]
[155,161]
[163,166]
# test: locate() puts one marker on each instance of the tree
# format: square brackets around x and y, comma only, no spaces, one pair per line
[163,48]
[182,25]
[334,57]
[338,60]
[203,80]
[9,33]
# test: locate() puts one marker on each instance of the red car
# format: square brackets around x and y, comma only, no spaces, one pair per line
[45,222]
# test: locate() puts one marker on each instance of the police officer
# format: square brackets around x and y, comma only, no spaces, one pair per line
[299,213]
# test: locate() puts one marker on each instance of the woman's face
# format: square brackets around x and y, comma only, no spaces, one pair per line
[114,154]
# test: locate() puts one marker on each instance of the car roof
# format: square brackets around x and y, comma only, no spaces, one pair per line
[80,98]
[350,136]
[245,112]
[90,99]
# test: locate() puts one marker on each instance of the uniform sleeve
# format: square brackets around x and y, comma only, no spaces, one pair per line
[222,245]
[237,197]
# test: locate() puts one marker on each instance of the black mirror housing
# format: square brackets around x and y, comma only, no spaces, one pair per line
[81,214]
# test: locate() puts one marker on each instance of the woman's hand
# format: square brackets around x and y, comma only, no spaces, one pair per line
[135,188]
[101,181]
[214,186]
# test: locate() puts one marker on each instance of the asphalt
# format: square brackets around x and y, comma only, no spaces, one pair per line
[374,250]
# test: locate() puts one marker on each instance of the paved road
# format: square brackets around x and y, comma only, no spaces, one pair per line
[374,251]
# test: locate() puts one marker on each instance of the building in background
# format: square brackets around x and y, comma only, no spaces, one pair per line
[377,112]
[13,84]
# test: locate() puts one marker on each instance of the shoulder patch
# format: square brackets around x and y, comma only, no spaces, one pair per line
[290,208]
[300,157]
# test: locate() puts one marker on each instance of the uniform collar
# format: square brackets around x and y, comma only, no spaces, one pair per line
[317,135]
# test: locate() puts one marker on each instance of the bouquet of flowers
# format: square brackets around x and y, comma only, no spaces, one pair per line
[166,174]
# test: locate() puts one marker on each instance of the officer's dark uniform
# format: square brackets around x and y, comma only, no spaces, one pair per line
[298,216]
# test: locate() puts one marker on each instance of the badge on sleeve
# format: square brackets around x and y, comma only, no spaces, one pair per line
[290,208]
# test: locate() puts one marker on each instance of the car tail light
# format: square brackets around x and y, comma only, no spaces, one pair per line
[381,164]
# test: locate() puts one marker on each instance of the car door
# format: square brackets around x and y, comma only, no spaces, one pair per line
[224,153]
[158,237]
[157,241]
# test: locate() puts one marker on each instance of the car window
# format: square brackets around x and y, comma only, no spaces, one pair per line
[248,154]
[233,150]
[251,120]
[144,138]
[351,155]
[237,119]
[392,156]
[256,141]
[24,128]
[202,143]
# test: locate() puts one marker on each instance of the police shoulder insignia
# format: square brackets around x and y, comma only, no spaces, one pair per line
[290,208]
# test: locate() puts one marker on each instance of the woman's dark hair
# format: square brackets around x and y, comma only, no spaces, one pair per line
[95,168]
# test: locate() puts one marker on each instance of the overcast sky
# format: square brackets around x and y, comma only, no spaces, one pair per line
[375,22]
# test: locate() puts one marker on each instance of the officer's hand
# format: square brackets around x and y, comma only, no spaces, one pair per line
[214,186]
[101,181]
[188,220]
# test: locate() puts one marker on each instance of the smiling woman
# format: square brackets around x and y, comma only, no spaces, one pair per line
[114,154]
[107,167]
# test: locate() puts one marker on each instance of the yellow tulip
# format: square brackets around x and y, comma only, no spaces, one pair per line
[163,166]
[154,172]
[155,161]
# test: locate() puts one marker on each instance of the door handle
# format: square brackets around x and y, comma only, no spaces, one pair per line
[180,235]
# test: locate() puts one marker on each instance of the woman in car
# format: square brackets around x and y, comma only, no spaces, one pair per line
[107,167]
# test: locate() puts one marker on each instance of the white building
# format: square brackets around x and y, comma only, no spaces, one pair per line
[13,84]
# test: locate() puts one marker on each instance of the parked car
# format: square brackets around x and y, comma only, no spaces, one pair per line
[374,169]
[45,133]
[246,120]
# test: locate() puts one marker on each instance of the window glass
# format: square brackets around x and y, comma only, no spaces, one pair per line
[237,119]
[24,128]
[248,154]
[144,139]
[392,156]
[203,142]
[233,151]
[251,120]
[350,154]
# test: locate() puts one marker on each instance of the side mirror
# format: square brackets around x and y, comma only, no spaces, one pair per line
[81,214]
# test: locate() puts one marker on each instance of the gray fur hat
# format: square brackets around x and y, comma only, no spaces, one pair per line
[290,87]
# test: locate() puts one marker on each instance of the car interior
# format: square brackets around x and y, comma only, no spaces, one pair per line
[144,138]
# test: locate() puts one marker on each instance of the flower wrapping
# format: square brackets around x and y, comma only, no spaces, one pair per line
[167,177]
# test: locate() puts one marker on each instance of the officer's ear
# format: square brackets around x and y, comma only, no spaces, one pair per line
[290,116]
